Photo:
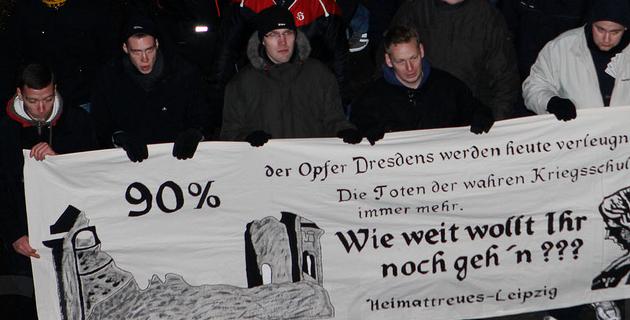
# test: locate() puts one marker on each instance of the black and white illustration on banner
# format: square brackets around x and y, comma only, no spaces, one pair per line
[615,209]
[284,276]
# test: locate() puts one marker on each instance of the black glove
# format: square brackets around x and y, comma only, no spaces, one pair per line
[351,136]
[135,147]
[186,143]
[258,138]
[562,108]
[482,121]
[374,134]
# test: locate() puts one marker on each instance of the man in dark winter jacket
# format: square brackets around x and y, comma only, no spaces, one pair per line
[413,95]
[319,20]
[73,37]
[148,96]
[283,94]
[470,40]
[37,120]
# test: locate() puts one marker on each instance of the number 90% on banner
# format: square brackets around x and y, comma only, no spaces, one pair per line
[139,194]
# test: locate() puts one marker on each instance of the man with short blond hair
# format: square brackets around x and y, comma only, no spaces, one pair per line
[470,40]
[413,95]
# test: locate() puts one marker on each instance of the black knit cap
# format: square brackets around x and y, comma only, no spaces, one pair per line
[611,10]
[272,18]
[138,25]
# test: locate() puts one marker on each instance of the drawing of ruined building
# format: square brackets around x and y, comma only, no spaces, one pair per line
[92,287]
[283,251]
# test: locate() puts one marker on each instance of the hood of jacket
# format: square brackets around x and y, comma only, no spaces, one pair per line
[17,112]
[259,60]
[390,75]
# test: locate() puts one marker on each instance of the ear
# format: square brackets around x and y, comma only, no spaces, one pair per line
[125,48]
[421,48]
[157,43]
[18,92]
[388,60]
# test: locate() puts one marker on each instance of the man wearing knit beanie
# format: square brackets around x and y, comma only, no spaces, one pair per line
[276,32]
[283,93]
[584,67]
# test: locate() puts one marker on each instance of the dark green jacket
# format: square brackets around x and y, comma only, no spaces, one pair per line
[297,99]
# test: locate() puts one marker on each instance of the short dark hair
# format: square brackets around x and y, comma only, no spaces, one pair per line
[36,76]
[399,34]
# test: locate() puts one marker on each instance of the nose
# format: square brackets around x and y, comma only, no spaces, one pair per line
[144,57]
[282,39]
[41,106]
[606,37]
[408,66]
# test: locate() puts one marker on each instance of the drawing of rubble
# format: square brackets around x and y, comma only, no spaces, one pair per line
[284,274]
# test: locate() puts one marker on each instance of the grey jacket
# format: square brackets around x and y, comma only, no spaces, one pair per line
[297,99]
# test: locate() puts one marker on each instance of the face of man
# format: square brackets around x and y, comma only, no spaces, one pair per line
[279,45]
[607,34]
[142,52]
[406,59]
[38,103]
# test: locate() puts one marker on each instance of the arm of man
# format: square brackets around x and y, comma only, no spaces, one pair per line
[13,215]
[101,115]
[333,119]
[365,114]
[235,32]
[542,84]
[337,44]
[234,112]
[502,69]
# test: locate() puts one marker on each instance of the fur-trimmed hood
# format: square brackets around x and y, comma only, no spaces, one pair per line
[17,112]
[255,51]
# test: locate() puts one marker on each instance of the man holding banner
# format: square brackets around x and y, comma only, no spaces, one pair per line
[149,96]
[34,114]
[284,93]
[585,67]
[414,95]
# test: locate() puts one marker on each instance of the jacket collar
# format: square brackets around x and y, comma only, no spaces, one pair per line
[390,76]
[17,112]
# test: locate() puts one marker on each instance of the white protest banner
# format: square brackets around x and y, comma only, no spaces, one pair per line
[435,224]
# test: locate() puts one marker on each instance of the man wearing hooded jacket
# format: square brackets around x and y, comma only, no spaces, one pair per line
[413,95]
[586,67]
[470,40]
[37,120]
[319,20]
[283,94]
